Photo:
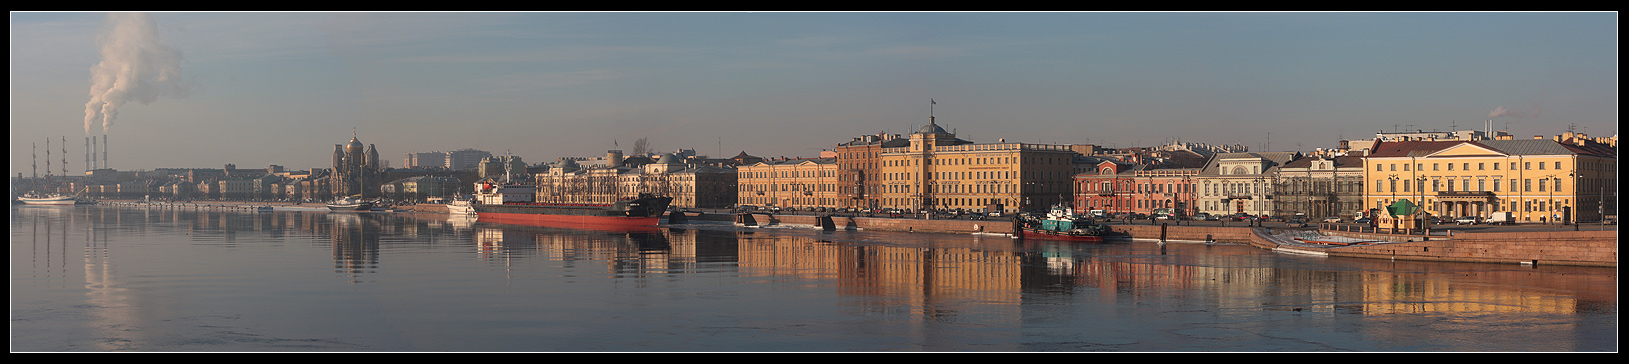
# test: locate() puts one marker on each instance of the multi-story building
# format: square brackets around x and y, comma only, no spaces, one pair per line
[857,162]
[1107,189]
[1135,188]
[790,183]
[1233,183]
[1567,178]
[691,186]
[937,171]
[1320,186]
[465,159]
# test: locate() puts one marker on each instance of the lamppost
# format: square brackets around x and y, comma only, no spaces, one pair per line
[1393,188]
[1420,189]
[1550,218]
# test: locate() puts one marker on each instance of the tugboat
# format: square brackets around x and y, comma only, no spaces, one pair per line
[1061,223]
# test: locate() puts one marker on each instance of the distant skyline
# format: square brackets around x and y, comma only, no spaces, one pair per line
[205,89]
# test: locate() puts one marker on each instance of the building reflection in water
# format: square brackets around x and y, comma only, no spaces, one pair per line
[915,275]
[355,243]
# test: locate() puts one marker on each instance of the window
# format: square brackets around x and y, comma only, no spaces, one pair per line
[1379,168]
[1495,166]
[1394,166]
[1495,182]
[1434,166]
[1466,166]
[1541,166]
[1558,165]
[1450,166]
[1479,166]
[1527,185]
[1379,187]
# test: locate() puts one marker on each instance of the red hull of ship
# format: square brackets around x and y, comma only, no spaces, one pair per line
[573,221]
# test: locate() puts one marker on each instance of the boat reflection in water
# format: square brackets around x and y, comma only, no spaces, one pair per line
[493,237]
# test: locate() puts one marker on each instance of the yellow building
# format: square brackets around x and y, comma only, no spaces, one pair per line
[800,184]
[1536,180]
[937,171]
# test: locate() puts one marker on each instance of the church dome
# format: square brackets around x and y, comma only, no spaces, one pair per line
[667,158]
[354,145]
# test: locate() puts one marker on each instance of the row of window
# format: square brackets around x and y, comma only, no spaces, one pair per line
[1437,185]
[1466,166]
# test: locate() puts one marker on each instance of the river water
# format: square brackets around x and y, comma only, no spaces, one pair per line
[104,278]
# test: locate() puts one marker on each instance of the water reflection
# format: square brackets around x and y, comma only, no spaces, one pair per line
[924,278]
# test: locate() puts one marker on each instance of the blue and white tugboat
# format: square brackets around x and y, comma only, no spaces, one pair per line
[1061,224]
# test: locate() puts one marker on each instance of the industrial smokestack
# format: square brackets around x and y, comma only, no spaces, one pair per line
[135,67]
[104,151]
[93,152]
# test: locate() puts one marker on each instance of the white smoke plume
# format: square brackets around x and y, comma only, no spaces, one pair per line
[1531,111]
[135,66]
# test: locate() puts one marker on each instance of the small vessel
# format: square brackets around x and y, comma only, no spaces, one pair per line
[1061,223]
[350,203]
[515,204]
[38,198]
[461,206]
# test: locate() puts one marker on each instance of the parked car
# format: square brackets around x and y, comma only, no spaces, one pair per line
[1466,220]
[1296,223]
[1363,221]
[1209,217]
[1332,219]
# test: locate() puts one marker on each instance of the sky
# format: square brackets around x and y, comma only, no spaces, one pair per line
[206,89]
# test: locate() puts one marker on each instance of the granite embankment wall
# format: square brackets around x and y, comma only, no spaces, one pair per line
[1579,248]
[1582,248]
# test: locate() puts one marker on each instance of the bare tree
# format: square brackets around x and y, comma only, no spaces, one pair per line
[640,147]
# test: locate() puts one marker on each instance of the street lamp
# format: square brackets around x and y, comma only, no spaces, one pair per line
[1550,218]
[1420,188]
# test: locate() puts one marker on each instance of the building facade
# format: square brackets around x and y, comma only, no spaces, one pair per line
[799,184]
[1319,186]
[857,166]
[1115,188]
[1235,183]
[1537,180]
[937,171]
[691,186]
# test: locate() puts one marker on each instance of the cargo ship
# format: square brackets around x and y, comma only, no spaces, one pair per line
[516,204]
[1061,224]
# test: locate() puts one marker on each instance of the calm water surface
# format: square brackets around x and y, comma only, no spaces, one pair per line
[87,278]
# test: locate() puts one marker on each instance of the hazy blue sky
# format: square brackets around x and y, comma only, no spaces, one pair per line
[255,89]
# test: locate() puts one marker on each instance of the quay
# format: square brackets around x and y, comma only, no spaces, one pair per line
[1528,245]
[1596,248]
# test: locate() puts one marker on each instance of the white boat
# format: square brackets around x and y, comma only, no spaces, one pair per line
[48,199]
[37,198]
[350,203]
[460,207]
